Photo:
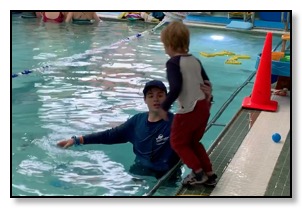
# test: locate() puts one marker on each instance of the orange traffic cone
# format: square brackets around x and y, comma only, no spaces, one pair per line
[261,94]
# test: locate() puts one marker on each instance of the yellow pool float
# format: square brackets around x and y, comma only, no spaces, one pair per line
[207,54]
[224,53]
[232,61]
[242,56]
[221,53]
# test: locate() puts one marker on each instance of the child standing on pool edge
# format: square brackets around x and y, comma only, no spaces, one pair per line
[185,75]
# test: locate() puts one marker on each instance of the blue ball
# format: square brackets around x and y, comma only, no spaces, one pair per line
[276,137]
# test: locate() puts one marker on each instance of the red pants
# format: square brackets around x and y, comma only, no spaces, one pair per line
[187,130]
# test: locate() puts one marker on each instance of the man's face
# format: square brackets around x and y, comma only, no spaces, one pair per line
[154,98]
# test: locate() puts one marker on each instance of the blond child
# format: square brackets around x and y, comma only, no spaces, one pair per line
[185,75]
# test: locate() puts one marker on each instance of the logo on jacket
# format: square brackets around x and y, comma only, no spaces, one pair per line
[161,139]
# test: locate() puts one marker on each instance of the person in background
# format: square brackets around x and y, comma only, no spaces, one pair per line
[146,16]
[158,15]
[57,17]
[185,74]
[147,131]
[82,16]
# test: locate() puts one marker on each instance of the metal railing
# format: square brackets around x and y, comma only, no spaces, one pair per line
[286,22]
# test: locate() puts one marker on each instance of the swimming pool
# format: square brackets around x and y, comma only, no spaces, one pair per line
[81,84]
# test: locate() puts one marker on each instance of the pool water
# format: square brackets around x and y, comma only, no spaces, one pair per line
[82,82]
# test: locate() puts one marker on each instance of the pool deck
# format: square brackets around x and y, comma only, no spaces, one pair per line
[254,164]
[210,22]
[247,161]
[245,158]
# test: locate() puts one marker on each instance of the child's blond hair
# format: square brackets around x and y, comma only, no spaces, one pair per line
[177,36]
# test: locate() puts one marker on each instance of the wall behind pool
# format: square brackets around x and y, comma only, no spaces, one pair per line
[272,16]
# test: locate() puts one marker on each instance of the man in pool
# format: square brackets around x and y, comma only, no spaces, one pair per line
[149,134]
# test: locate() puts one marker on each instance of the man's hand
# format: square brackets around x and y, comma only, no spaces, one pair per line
[65,143]
[207,89]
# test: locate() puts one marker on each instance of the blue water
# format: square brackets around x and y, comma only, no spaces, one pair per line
[81,84]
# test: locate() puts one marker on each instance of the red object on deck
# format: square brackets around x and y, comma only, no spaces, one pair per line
[261,95]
